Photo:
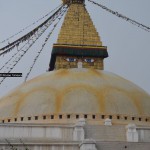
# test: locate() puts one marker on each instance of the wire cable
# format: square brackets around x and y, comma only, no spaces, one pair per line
[21,49]
[45,42]
[7,39]
[12,57]
[30,45]
[140,25]
[10,46]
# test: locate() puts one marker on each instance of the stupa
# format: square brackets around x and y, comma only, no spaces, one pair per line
[76,105]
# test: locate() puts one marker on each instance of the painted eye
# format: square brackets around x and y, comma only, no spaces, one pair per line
[71,59]
[89,60]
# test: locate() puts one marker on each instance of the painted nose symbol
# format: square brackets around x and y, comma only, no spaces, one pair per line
[79,64]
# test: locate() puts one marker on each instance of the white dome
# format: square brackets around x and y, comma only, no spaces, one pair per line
[76,91]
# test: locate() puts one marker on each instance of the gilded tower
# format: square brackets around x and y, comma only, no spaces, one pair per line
[78,44]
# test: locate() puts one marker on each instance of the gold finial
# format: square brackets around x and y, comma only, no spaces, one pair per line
[73,1]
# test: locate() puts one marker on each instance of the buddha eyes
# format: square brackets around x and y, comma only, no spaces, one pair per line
[89,60]
[71,59]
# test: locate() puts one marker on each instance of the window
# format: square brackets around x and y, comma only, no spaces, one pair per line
[110,117]
[125,118]
[118,117]
[36,117]
[21,118]
[93,116]
[77,116]
[133,118]
[60,116]
[140,119]
[15,119]
[29,118]
[85,116]
[68,116]
[44,117]
[8,120]
[52,116]
[103,117]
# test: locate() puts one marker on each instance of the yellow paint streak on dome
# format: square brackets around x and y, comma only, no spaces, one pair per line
[61,73]
[95,72]
[60,98]
[125,98]
[24,97]
[136,100]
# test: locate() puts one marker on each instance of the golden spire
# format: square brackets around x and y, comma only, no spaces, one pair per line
[78,41]
[78,28]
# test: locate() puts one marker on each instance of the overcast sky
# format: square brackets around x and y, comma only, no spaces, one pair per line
[128,45]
